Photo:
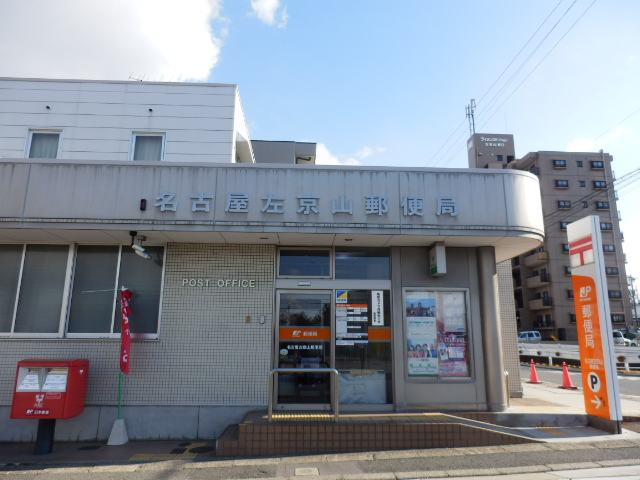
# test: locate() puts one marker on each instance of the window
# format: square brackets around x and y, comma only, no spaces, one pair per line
[585,204]
[572,318]
[570,294]
[615,294]
[362,263]
[612,270]
[608,248]
[565,247]
[563,225]
[436,349]
[617,317]
[579,163]
[602,205]
[44,144]
[564,204]
[562,183]
[583,183]
[599,184]
[597,164]
[305,263]
[606,226]
[567,270]
[148,147]
[500,158]
[39,277]
[559,164]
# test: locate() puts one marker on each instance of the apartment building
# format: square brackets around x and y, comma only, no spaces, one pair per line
[572,185]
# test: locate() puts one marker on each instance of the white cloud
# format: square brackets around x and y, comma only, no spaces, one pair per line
[582,145]
[366,152]
[147,39]
[325,157]
[269,12]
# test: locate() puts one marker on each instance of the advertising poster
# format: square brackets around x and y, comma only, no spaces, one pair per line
[422,334]
[454,358]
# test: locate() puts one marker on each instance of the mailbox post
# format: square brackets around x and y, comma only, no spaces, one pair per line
[49,390]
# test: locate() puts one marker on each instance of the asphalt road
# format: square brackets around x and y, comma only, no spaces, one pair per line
[629,384]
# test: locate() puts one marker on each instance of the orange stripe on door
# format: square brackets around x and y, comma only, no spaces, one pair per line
[379,334]
[305,334]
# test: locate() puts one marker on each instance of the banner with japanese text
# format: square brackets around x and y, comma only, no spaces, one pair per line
[125,343]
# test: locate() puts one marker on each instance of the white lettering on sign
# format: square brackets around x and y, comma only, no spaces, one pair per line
[220,283]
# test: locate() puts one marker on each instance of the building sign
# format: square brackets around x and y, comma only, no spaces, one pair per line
[219,283]
[309,205]
[306,334]
[494,141]
[597,355]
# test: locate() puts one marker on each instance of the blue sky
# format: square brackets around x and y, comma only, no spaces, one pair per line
[372,82]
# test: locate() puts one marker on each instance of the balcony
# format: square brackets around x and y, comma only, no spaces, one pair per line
[537,258]
[538,281]
[540,304]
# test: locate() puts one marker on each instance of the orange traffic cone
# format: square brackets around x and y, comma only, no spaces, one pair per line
[566,378]
[534,374]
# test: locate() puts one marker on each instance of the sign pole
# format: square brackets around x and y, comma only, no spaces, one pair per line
[593,321]
[119,431]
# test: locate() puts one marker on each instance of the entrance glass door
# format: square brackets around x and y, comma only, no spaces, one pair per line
[304,342]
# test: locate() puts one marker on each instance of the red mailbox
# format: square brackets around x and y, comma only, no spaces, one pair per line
[50,389]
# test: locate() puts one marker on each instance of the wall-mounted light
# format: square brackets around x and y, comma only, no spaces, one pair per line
[151,110]
[143,204]
[48,107]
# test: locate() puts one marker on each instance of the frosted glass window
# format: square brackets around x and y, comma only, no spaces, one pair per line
[10,263]
[144,278]
[94,284]
[42,288]
[148,147]
[44,145]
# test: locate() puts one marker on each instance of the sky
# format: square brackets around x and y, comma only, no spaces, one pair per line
[373,83]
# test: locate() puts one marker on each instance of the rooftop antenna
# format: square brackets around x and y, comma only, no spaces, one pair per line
[471,108]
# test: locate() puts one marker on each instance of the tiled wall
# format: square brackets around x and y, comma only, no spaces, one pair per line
[207,353]
[510,353]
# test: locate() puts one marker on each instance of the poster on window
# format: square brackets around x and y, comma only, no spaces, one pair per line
[352,321]
[422,334]
[437,338]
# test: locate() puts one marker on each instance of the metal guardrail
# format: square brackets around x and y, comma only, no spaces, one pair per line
[624,355]
[335,386]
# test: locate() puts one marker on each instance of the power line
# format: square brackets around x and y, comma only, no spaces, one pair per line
[623,120]
[492,85]
[543,58]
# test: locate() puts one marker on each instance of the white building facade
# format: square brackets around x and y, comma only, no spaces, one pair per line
[253,266]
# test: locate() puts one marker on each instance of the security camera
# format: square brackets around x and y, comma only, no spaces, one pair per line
[142,254]
[138,248]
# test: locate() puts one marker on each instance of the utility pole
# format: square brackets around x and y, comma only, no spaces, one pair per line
[471,109]
[632,291]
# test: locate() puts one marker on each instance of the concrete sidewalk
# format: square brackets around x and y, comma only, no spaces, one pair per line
[567,452]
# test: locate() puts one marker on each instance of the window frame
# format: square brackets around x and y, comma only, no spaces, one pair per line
[136,134]
[603,206]
[562,183]
[608,248]
[606,226]
[65,310]
[323,249]
[582,183]
[614,294]
[564,204]
[563,225]
[597,165]
[599,184]
[559,163]
[611,271]
[65,297]
[618,318]
[49,131]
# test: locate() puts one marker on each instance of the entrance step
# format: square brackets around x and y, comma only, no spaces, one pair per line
[313,433]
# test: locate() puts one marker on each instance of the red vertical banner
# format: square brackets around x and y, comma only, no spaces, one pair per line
[125,345]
